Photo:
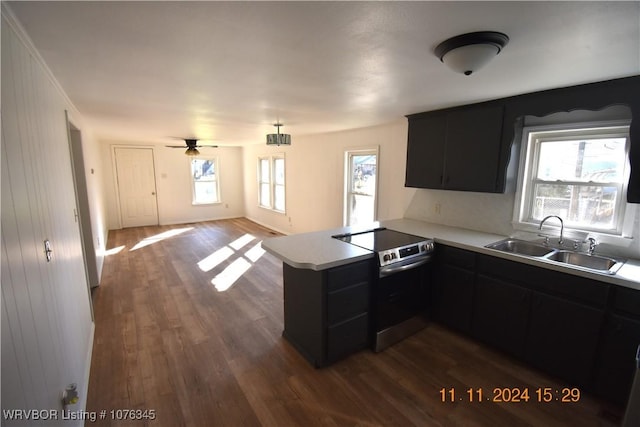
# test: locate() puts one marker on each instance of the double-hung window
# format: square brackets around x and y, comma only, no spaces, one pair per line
[271,182]
[579,174]
[204,179]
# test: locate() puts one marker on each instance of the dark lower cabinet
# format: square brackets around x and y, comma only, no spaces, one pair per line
[582,331]
[563,338]
[501,313]
[347,336]
[453,288]
[616,364]
[454,297]
[326,313]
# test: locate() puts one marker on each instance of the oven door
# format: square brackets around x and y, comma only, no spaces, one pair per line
[401,293]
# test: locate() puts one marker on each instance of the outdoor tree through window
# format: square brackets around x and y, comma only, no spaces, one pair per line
[361,186]
[578,175]
[204,174]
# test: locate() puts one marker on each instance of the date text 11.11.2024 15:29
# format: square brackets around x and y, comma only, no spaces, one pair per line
[511,395]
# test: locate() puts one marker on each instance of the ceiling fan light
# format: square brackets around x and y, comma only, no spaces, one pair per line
[192,151]
[468,53]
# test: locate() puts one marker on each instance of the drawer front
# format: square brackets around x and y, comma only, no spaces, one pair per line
[347,302]
[457,257]
[549,281]
[350,274]
[626,300]
[347,337]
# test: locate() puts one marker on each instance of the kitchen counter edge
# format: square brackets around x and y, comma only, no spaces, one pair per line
[319,251]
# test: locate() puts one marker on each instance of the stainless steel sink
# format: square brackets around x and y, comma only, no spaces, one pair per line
[592,262]
[521,247]
[597,263]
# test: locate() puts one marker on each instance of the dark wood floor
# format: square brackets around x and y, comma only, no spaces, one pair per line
[168,341]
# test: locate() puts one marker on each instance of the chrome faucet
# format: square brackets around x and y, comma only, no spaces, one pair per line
[560,241]
[592,245]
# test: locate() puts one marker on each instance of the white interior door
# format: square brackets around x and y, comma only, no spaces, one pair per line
[136,186]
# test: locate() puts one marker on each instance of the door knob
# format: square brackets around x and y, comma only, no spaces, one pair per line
[153,193]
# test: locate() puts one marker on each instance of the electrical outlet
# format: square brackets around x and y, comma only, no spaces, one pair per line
[437,208]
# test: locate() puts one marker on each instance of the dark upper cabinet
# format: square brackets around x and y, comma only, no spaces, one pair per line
[472,149]
[425,151]
[469,147]
[458,149]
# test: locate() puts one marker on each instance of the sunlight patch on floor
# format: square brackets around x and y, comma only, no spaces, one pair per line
[226,279]
[113,251]
[213,260]
[255,252]
[241,241]
[159,237]
[231,274]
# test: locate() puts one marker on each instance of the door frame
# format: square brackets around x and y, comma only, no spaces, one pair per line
[348,152]
[114,169]
[82,208]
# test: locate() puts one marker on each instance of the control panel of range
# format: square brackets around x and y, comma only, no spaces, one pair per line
[403,253]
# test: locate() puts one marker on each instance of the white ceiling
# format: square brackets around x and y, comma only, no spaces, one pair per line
[226,71]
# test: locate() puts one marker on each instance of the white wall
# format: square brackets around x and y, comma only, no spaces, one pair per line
[173,184]
[47,327]
[315,177]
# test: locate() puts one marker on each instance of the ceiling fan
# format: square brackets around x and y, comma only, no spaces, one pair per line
[191,144]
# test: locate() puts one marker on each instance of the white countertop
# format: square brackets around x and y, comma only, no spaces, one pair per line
[319,251]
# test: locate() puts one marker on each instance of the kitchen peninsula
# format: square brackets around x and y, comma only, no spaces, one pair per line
[578,325]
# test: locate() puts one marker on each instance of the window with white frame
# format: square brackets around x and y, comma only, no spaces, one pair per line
[205,183]
[577,173]
[271,182]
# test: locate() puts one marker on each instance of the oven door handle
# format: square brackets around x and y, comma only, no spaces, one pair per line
[387,271]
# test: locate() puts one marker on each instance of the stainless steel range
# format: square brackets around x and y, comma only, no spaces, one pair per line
[400,292]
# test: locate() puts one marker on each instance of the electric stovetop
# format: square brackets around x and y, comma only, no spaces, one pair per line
[380,239]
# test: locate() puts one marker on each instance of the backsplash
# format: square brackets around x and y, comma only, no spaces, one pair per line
[493,213]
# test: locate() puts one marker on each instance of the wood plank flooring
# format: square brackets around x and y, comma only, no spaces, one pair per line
[171,341]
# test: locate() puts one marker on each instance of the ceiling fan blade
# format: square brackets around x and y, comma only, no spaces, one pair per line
[176,146]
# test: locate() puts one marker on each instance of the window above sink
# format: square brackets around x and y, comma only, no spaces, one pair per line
[578,172]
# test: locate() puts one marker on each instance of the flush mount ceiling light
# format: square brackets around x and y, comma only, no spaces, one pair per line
[467,53]
[278,138]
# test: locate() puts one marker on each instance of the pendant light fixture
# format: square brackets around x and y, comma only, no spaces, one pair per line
[467,53]
[278,138]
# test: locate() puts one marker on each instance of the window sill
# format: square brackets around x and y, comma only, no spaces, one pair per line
[266,208]
[206,204]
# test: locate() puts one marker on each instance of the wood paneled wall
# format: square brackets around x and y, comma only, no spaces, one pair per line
[47,327]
